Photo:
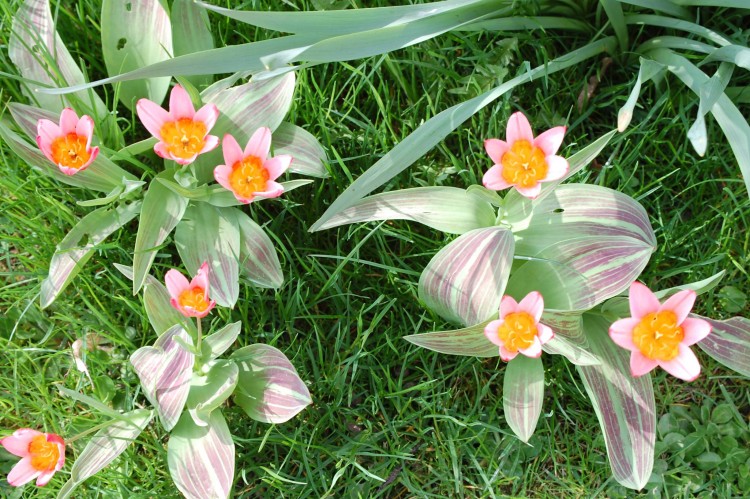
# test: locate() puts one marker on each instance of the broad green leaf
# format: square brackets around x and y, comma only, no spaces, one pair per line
[191,33]
[648,70]
[523,392]
[613,9]
[201,458]
[624,405]
[562,286]
[469,341]
[269,388]
[729,343]
[308,155]
[161,314]
[218,342]
[136,34]
[80,243]
[447,209]
[258,259]
[208,234]
[104,447]
[464,282]
[437,128]
[162,210]
[569,340]
[165,371]
[208,390]
[709,93]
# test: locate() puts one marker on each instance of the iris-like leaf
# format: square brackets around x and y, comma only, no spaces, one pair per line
[569,340]
[208,391]
[523,392]
[165,371]
[258,259]
[218,342]
[447,209]
[104,447]
[464,282]
[469,341]
[190,34]
[613,8]
[736,54]
[201,458]
[648,70]
[269,388]
[709,93]
[208,234]
[624,405]
[308,155]
[79,244]
[729,343]
[127,46]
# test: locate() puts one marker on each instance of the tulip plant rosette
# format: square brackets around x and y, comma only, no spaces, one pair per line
[547,268]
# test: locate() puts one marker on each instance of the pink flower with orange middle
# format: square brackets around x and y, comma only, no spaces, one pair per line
[518,330]
[182,132]
[190,298]
[42,454]
[68,145]
[251,172]
[660,334]
[524,162]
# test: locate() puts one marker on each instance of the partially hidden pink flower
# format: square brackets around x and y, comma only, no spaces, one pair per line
[524,162]
[42,454]
[68,145]
[190,298]
[659,334]
[182,132]
[518,330]
[251,172]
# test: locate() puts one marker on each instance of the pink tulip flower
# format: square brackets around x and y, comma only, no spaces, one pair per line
[251,172]
[518,329]
[42,454]
[659,334]
[190,298]
[524,162]
[69,144]
[182,132]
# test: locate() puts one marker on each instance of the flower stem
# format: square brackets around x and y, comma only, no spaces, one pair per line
[200,334]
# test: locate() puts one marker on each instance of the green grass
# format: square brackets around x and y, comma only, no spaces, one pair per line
[388,419]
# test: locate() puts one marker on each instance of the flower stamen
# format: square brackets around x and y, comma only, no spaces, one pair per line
[44,454]
[249,177]
[524,164]
[517,332]
[658,335]
[70,151]
[185,138]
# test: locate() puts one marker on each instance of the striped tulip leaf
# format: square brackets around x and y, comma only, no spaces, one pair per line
[569,340]
[105,446]
[464,282]
[469,341]
[126,46]
[729,343]
[447,209]
[190,34]
[523,392]
[624,405]
[165,371]
[219,342]
[269,388]
[209,234]
[209,390]
[162,210]
[80,243]
[201,458]
[308,155]
[258,259]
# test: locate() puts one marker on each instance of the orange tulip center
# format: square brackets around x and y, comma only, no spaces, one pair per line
[44,454]
[70,150]
[248,177]
[517,331]
[524,164]
[658,336]
[194,298]
[184,138]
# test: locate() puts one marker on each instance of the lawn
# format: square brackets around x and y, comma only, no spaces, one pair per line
[389,419]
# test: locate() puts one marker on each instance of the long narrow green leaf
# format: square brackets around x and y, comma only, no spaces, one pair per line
[613,8]
[523,392]
[665,6]
[435,129]
[649,69]
[736,54]
[680,25]
[730,4]
[709,93]
[526,23]
[191,34]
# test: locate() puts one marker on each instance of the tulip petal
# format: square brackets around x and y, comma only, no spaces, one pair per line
[507,355]
[183,161]
[557,168]
[493,179]
[685,366]
[44,478]
[22,473]
[621,333]
[85,127]
[47,131]
[201,278]
[68,121]
[221,174]
[153,116]
[695,330]
[532,304]
[180,105]
[680,303]
[232,150]
[642,301]
[518,128]
[530,192]
[545,333]
[640,364]
[549,142]
[277,165]
[508,305]
[535,350]
[18,443]
[68,170]
[495,149]
[208,114]
[490,331]
[273,190]
[259,144]
[176,283]
[212,141]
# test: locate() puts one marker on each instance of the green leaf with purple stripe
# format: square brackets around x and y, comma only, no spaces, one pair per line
[729,343]
[464,282]
[447,209]
[269,388]
[201,458]
[469,341]
[165,371]
[624,405]
[308,155]
[523,392]
[258,259]
[569,340]
[208,390]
